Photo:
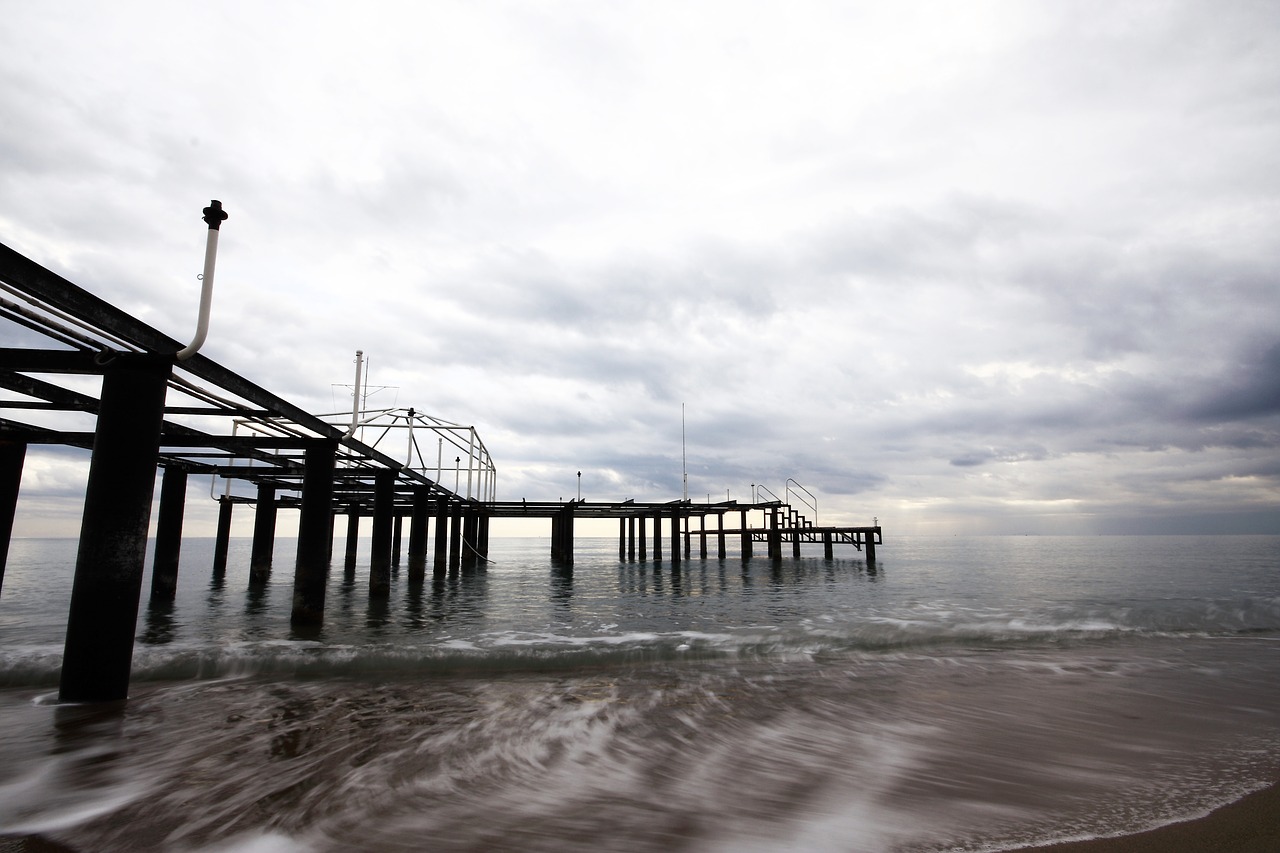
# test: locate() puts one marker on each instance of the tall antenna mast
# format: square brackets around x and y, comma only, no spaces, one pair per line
[355,395]
[684,468]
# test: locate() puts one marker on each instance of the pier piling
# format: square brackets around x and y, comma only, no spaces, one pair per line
[264,534]
[353,538]
[164,564]
[222,539]
[105,592]
[418,534]
[311,571]
[12,455]
[380,547]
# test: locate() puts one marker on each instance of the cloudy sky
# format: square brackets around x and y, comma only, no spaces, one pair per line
[966,267]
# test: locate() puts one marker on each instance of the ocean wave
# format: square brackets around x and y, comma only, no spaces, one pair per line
[541,651]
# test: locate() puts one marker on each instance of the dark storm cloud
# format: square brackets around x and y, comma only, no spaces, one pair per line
[1251,390]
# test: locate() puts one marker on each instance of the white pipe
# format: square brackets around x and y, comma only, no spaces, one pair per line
[214,215]
[408,462]
[684,466]
[355,395]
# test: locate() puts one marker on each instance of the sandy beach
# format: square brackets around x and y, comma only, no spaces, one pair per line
[1250,825]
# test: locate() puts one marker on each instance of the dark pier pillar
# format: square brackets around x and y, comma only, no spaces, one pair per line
[622,539]
[720,543]
[687,525]
[746,537]
[657,536]
[566,533]
[113,534]
[631,538]
[702,537]
[826,545]
[455,537]
[482,532]
[675,536]
[869,538]
[441,561]
[795,542]
[164,564]
[775,535]
[643,538]
[418,534]
[222,540]
[12,455]
[264,534]
[311,571]
[384,484]
[333,521]
[353,537]
[397,533]
[470,536]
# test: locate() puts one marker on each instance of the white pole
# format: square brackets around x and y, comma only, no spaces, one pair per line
[439,456]
[408,462]
[355,396]
[214,216]
[684,471]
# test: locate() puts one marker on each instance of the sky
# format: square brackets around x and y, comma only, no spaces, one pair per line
[980,267]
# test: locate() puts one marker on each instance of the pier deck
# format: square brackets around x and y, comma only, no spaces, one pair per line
[160,407]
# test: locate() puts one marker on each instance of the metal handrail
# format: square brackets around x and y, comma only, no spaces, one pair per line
[812,503]
[761,488]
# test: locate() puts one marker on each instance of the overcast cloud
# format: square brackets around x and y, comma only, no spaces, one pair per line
[967,267]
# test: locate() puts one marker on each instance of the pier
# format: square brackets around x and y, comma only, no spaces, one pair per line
[163,406]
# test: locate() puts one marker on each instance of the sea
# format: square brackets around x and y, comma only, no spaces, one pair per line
[966,693]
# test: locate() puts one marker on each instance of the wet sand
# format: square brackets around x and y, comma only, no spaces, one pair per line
[1251,825]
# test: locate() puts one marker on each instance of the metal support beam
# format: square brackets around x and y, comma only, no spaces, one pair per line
[264,534]
[222,540]
[353,538]
[418,534]
[455,537]
[311,571]
[470,535]
[98,653]
[440,563]
[675,536]
[384,484]
[12,455]
[164,565]
[775,535]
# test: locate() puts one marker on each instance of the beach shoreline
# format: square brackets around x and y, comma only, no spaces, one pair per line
[1247,825]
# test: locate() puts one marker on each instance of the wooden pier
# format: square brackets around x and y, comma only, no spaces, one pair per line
[163,406]
[641,528]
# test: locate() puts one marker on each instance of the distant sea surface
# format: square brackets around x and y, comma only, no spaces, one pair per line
[962,694]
